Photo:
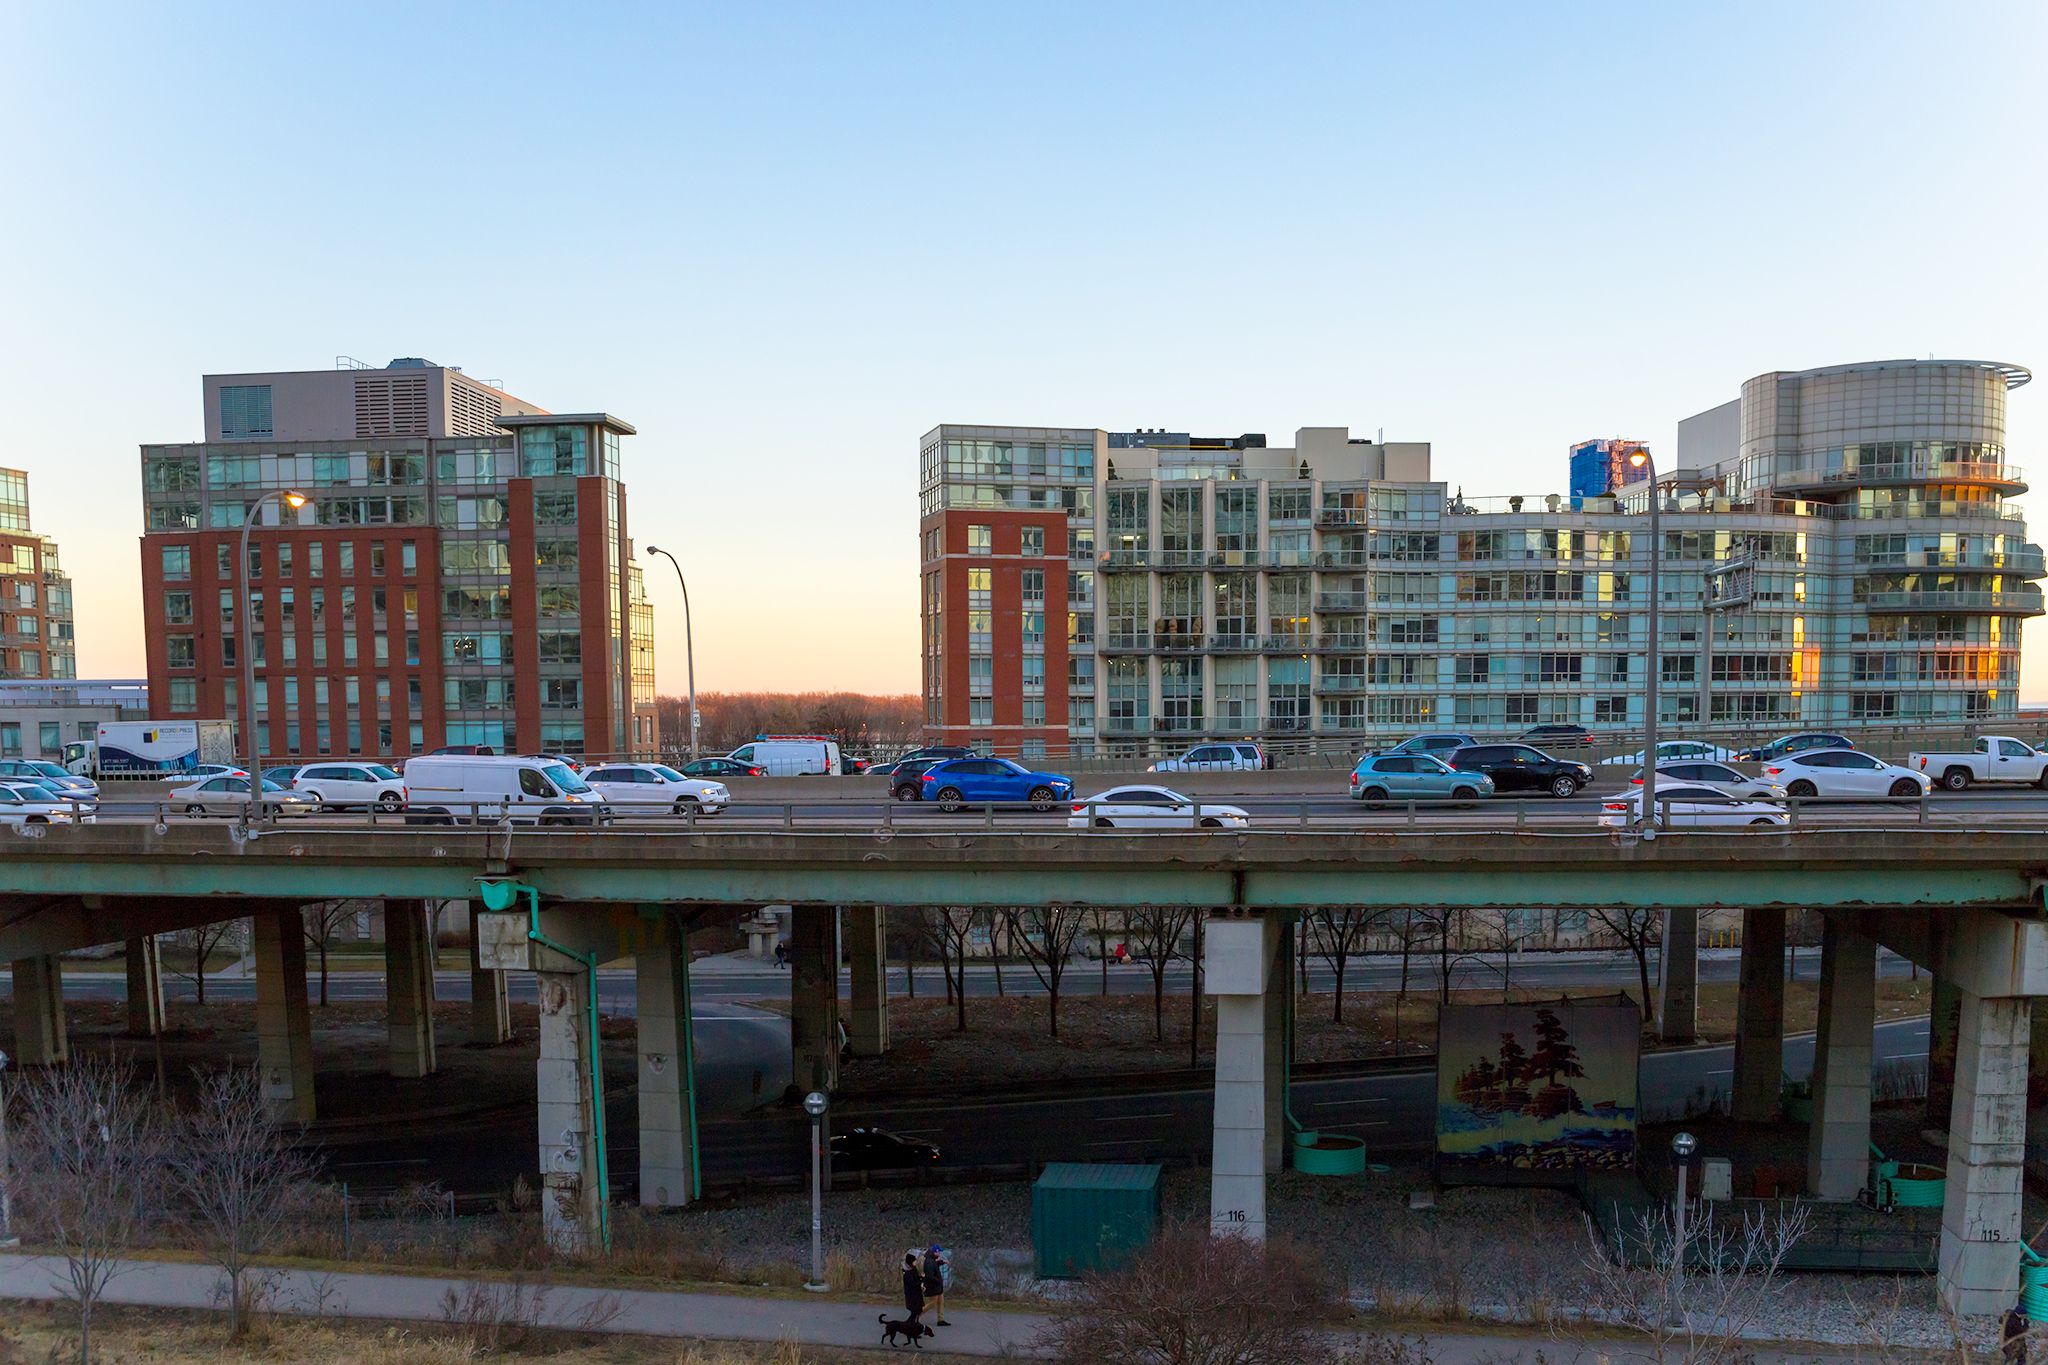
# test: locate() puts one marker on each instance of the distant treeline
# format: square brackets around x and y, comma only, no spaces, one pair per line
[730,719]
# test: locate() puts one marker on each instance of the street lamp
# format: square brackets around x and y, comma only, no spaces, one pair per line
[294,500]
[1682,1145]
[814,1105]
[1647,817]
[689,644]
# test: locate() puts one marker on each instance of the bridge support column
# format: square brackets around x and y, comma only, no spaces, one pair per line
[145,988]
[490,1002]
[1838,1141]
[1760,1017]
[867,953]
[668,1086]
[409,988]
[1238,969]
[39,1032]
[814,1000]
[1678,977]
[570,1093]
[284,1024]
[1980,1220]
[1279,1019]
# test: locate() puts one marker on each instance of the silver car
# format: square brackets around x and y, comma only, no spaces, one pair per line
[1719,774]
[227,796]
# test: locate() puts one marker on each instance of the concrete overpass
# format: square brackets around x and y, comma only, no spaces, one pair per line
[1967,905]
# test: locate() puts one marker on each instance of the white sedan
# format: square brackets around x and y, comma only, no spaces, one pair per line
[1152,808]
[22,804]
[1843,772]
[656,784]
[212,770]
[227,796]
[1692,805]
[1677,751]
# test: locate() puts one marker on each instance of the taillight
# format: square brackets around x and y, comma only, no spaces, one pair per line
[1616,806]
[1923,765]
[929,778]
[1079,810]
[1635,781]
[1772,772]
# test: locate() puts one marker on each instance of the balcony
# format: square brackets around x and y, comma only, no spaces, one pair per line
[1124,644]
[1287,725]
[1341,601]
[1286,644]
[1234,644]
[1341,516]
[2008,602]
[1178,725]
[1344,642]
[1977,473]
[1341,682]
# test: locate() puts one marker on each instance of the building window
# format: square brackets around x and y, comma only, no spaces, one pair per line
[184,694]
[10,739]
[554,450]
[244,410]
[978,540]
[1032,540]
[49,736]
[180,650]
[177,561]
[1033,582]
[1034,711]
[177,608]
[980,711]
[409,558]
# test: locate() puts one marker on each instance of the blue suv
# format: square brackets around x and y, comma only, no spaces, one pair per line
[993,782]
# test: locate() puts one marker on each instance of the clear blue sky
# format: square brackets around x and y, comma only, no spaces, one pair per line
[787,240]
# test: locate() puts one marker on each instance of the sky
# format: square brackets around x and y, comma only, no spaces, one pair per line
[785,241]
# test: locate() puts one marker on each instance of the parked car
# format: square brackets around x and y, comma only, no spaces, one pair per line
[33,806]
[1215,758]
[1845,772]
[1521,768]
[1438,744]
[790,755]
[1692,805]
[1730,780]
[282,776]
[657,784]
[935,752]
[906,782]
[84,807]
[473,749]
[350,784]
[42,768]
[486,788]
[1996,758]
[228,793]
[721,767]
[1675,751]
[1786,745]
[569,761]
[877,1149]
[849,766]
[1558,736]
[961,782]
[191,775]
[1152,808]
[1415,777]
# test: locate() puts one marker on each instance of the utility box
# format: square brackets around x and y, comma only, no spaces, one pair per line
[1717,1178]
[1087,1217]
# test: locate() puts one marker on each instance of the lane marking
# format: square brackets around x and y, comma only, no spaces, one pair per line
[1131,1118]
[1349,1104]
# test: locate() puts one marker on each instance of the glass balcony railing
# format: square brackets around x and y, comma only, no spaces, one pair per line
[1341,682]
[1341,601]
[1992,472]
[2005,602]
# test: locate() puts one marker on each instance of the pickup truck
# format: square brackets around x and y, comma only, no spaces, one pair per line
[1997,758]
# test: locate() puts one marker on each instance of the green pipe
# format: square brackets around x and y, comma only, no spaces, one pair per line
[502,896]
[2033,1284]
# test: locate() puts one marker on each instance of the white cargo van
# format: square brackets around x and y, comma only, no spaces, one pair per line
[460,788]
[790,755]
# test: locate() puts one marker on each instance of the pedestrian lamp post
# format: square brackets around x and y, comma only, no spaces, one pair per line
[1647,816]
[7,1237]
[814,1105]
[294,500]
[1682,1145]
[689,644]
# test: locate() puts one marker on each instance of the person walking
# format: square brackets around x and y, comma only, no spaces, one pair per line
[913,1287]
[936,1272]
[2012,1344]
[781,954]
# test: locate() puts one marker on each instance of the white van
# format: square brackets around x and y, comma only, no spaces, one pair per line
[458,788]
[790,755]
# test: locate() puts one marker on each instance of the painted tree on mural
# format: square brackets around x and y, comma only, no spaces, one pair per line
[1555,1053]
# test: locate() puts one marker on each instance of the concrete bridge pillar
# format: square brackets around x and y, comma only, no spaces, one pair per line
[1279,1015]
[1838,1141]
[1980,1220]
[409,988]
[1760,1017]
[814,1000]
[1678,977]
[284,1024]
[668,1118]
[145,988]
[570,1094]
[867,951]
[39,1031]
[490,1003]
[1238,971]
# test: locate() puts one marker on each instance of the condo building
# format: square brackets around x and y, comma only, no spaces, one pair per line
[35,593]
[1838,549]
[461,572]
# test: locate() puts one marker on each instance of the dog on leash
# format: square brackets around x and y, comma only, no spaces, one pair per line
[907,1328]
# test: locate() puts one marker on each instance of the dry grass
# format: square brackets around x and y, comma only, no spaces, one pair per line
[33,1334]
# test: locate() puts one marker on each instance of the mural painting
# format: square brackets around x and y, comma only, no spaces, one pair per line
[1536,1091]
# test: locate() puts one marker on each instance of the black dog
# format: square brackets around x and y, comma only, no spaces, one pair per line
[907,1328]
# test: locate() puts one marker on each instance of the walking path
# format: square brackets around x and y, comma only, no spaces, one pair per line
[769,1318]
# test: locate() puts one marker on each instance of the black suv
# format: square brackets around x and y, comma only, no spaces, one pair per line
[1519,768]
[1557,736]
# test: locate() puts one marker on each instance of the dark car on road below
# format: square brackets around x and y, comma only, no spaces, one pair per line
[1521,768]
[1436,744]
[961,782]
[1557,736]
[933,753]
[877,1149]
[1786,745]
[906,782]
[721,767]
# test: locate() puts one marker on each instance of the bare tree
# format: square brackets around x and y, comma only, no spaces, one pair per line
[1443,930]
[1337,936]
[1155,932]
[236,1177]
[1693,1295]
[910,930]
[955,929]
[323,922]
[203,940]
[1101,932]
[1501,931]
[1046,936]
[1193,1299]
[1635,929]
[88,1151]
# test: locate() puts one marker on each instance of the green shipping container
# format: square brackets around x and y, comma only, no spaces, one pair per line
[1090,1217]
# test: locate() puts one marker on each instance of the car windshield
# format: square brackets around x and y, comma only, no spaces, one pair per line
[669,774]
[382,773]
[1010,767]
[272,787]
[49,769]
[563,779]
[1429,763]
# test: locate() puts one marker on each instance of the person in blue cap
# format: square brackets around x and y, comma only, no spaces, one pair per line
[938,1272]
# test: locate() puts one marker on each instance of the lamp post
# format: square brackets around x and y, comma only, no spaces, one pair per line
[1682,1145]
[1647,817]
[294,500]
[689,644]
[814,1105]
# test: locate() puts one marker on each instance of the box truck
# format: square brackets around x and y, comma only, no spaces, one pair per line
[148,748]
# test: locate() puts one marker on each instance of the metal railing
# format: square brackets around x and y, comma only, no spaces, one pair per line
[2016,601]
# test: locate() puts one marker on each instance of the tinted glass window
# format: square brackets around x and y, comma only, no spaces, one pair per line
[601,775]
[532,783]
[382,773]
[8,797]
[1482,753]
[1527,754]
[1397,765]
[1860,761]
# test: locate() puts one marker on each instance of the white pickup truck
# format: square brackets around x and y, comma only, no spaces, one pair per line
[1997,758]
